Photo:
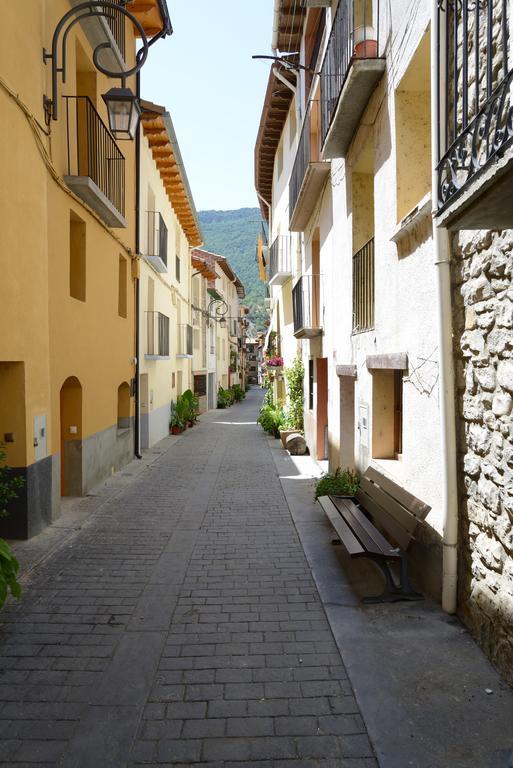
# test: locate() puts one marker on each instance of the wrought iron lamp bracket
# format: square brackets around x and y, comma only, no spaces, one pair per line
[94,8]
[219,312]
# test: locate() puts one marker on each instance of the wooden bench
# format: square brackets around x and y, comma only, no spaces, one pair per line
[378,523]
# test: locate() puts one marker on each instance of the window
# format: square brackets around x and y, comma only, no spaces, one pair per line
[124,406]
[292,124]
[279,159]
[122,287]
[387,414]
[310,385]
[177,268]
[413,131]
[77,257]
[362,183]
[200,385]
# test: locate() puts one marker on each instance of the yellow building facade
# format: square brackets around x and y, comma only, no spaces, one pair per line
[67,295]
[169,228]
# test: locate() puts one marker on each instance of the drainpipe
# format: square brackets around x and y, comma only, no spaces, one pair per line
[137,449]
[442,251]
[276,23]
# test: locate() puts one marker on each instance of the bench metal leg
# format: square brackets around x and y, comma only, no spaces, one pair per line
[393,592]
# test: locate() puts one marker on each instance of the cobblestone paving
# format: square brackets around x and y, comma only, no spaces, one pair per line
[181,626]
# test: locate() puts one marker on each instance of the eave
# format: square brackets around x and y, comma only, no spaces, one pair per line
[153,16]
[158,128]
[276,107]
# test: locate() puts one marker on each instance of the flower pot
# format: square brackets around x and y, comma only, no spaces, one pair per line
[365,43]
[175,429]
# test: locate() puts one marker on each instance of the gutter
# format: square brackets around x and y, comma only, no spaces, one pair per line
[137,441]
[442,249]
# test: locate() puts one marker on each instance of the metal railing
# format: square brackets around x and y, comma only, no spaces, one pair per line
[185,340]
[476,105]
[353,36]
[308,151]
[116,24]
[93,152]
[157,334]
[157,236]
[363,288]
[280,256]
[306,308]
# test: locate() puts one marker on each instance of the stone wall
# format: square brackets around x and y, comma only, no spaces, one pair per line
[483,306]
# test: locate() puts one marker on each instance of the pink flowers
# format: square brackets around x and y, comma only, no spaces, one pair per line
[275,362]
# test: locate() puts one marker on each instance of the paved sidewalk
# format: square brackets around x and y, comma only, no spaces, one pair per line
[176,621]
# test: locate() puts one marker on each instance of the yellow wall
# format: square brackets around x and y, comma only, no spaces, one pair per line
[56,335]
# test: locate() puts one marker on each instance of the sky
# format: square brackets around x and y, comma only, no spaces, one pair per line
[204,75]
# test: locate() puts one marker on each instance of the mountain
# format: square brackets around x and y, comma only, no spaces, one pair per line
[234,234]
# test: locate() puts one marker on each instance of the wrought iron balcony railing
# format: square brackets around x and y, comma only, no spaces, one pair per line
[349,72]
[96,165]
[306,306]
[116,24]
[157,241]
[157,334]
[185,341]
[309,172]
[476,105]
[363,288]
[280,260]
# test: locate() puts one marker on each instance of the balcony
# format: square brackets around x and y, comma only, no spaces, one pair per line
[157,241]
[280,260]
[306,307]
[350,72]
[108,31]
[157,336]
[184,349]
[475,172]
[96,166]
[309,173]
[363,288]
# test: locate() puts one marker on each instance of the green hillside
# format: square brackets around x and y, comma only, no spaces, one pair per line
[234,234]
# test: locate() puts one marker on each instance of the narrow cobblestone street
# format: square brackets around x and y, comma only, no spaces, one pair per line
[180,625]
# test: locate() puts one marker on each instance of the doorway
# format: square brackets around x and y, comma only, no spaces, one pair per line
[347,422]
[321,446]
[144,425]
[71,437]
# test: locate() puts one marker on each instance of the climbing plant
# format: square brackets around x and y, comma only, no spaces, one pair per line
[9,566]
[295,376]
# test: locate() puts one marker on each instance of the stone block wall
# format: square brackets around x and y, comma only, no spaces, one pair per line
[483,339]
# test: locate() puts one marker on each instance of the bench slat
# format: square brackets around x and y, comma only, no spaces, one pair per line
[390,505]
[372,539]
[391,525]
[348,538]
[415,506]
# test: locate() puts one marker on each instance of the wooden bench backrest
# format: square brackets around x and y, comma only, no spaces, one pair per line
[395,509]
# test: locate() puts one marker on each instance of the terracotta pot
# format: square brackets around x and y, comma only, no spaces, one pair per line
[175,430]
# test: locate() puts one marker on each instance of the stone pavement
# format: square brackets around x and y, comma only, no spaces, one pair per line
[176,622]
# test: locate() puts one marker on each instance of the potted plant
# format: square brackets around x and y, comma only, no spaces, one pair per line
[190,407]
[176,423]
[365,43]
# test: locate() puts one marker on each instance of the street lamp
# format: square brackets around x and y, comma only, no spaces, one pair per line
[124,112]
[122,106]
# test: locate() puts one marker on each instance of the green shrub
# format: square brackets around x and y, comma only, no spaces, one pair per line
[238,393]
[191,405]
[295,376]
[225,398]
[9,566]
[271,419]
[339,483]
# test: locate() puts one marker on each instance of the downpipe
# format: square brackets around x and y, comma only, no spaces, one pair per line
[442,252]
[137,440]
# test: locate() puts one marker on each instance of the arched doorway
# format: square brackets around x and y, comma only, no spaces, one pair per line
[71,437]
